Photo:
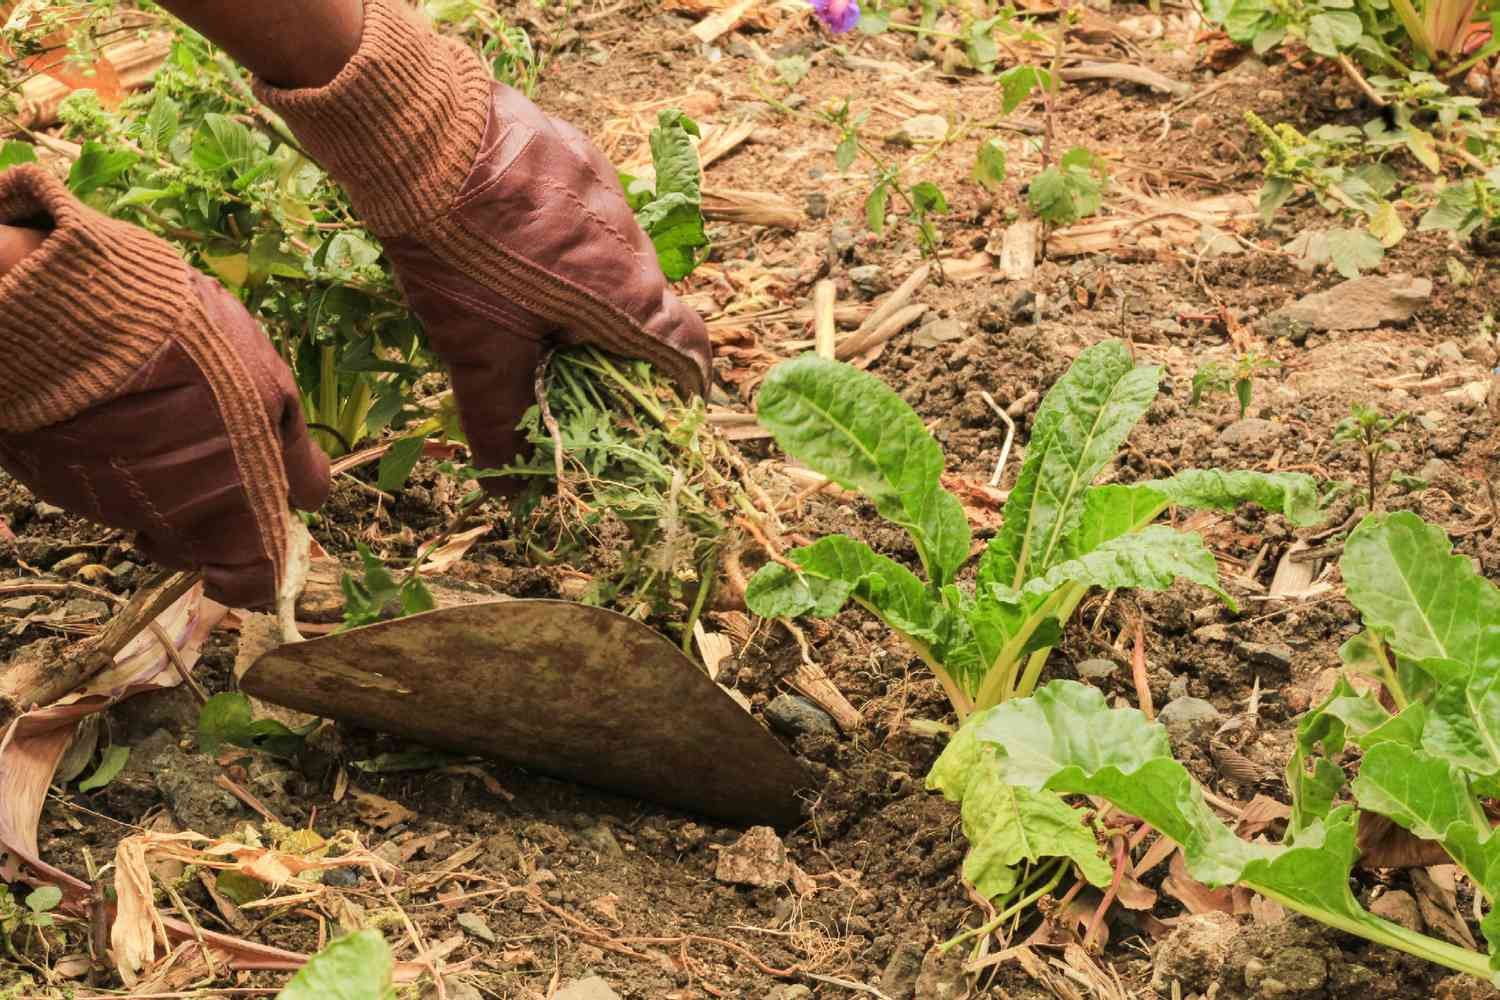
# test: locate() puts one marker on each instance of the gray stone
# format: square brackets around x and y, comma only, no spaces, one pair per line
[45,511]
[1186,711]
[899,980]
[795,991]
[943,976]
[1450,353]
[1250,432]
[793,716]
[86,610]
[601,840]
[816,205]
[1096,669]
[869,278]
[757,859]
[920,128]
[1399,907]
[939,331]
[1194,953]
[1360,303]
[1293,972]
[1433,470]
[588,988]
[1272,655]
[23,605]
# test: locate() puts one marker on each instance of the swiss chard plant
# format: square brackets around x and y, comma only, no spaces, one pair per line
[670,209]
[1432,640]
[1062,537]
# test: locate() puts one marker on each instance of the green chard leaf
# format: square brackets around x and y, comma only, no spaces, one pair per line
[852,428]
[1079,427]
[1293,495]
[1153,559]
[836,569]
[673,216]
[356,967]
[13,153]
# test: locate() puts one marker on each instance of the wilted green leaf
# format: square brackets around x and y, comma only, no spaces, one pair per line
[111,763]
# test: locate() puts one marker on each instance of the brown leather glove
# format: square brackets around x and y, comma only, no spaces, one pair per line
[140,394]
[508,231]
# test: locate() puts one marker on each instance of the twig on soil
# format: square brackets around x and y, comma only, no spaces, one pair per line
[1010,437]
[1097,921]
[224,782]
[1138,672]
[175,658]
[847,984]
[825,333]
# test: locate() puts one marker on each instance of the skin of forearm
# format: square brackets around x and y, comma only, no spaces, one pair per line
[15,243]
[287,43]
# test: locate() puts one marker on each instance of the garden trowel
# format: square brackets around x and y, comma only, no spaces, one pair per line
[564,689]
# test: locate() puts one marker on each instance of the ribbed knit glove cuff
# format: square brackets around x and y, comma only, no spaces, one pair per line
[80,314]
[400,125]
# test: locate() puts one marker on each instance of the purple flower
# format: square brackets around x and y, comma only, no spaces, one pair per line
[838,15]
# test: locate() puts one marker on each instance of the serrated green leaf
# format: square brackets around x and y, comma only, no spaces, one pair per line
[111,763]
[1150,559]
[1330,32]
[43,899]
[357,967]
[222,145]
[1352,251]
[846,151]
[852,428]
[1079,427]
[98,166]
[1016,84]
[989,165]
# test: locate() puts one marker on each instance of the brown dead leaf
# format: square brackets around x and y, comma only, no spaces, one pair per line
[1259,813]
[137,926]
[380,812]
[1134,896]
[1197,897]
[486,778]
[1436,889]
[447,555]
[1383,844]
[607,906]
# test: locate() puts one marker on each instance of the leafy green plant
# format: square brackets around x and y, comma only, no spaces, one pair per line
[1239,378]
[358,966]
[368,597]
[1370,431]
[628,454]
[1431,628]
[1062,535]
[227,719]
[921,199]
[1071,190]
[671,209]
[32,916]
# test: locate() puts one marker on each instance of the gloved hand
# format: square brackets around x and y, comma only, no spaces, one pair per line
[509,232]
[140,394]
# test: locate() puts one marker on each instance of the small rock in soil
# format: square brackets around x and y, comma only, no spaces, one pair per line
[601,839]
[1194,953]
[591,988]
[1096,669]
[186,783]
[23,605]
[1271,655]
[454,989]
[1463,987]
[793,716]
[1360,303]
[1185,712]
[899,980]
[341,878]
[1433,470]
[816,205]
[1290,972]
[1399,907]
[757,859]
[869,279]
[942,976]
[1250,432]
[44,511]
[939,331]
[932,128]
[792,992]
[1450,353]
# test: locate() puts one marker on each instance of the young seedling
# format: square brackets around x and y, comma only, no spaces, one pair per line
[1370,431]
[1216,377]
[32,916]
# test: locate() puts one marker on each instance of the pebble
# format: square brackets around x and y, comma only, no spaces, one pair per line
[1450,352]
[24,605]
[793,716]
[1360,303]
[1432,470]
[45,511]
[601,839]
[869,278]
[590,988]
[929,127]
[899,980]
[1096,669]
[1250,431]
[1186,711]
[795,991]
[816,205]
[1272,655]
[757,859]
[939,331]
[83,609]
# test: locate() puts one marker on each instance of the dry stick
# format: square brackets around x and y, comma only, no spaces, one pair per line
[1109,895]
[41,680]
[825,334]
[1138,671]
[175,658]
[1353,73]
[854,343]
[1010,436]
[861,347]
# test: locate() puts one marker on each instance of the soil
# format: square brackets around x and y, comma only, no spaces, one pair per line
[628,890]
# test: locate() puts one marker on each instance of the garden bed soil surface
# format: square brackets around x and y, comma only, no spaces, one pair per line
[627,890]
